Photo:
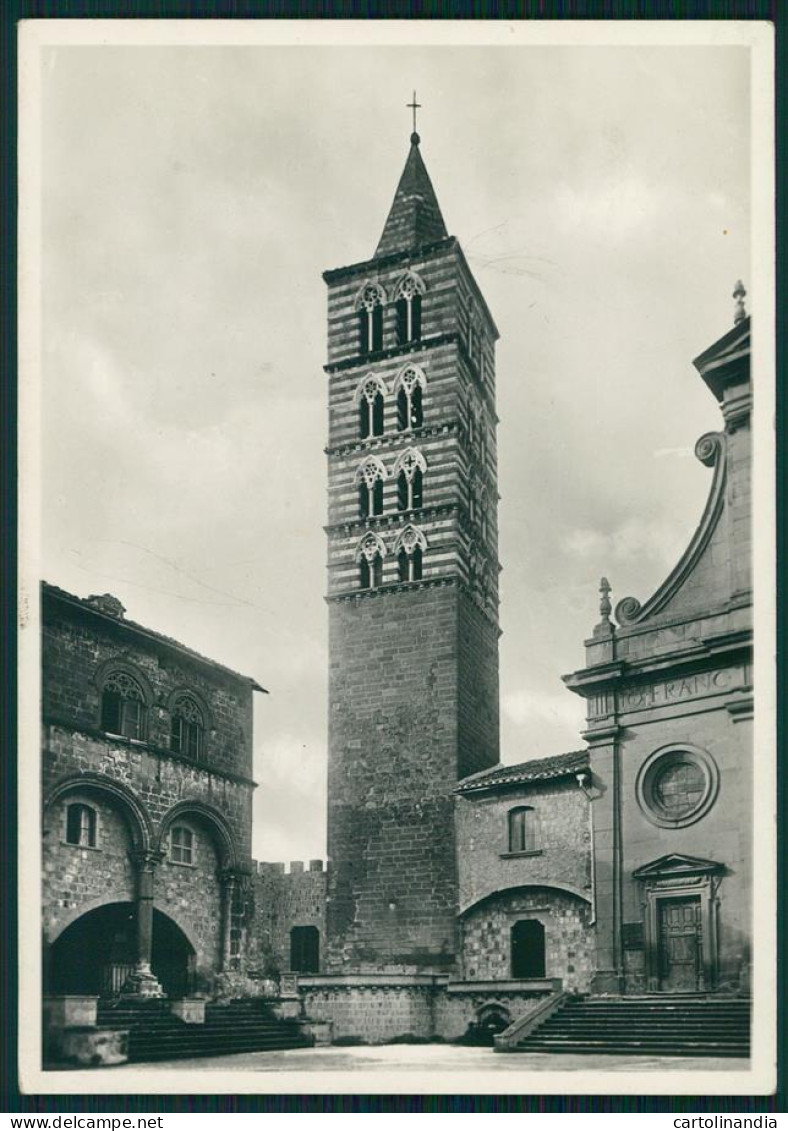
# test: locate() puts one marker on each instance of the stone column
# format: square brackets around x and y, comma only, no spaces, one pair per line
[228,879]
[143,982]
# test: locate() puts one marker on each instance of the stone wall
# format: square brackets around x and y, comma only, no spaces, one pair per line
[75,877]
[79,646]
[138,788]
[157,781]
[284,900]
[369,1013]
[393,690]
[562,856]
[376,1009]
[486,936]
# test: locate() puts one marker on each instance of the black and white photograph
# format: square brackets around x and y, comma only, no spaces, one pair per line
[397,557]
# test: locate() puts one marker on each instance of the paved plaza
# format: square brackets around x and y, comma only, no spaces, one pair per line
[435,1058]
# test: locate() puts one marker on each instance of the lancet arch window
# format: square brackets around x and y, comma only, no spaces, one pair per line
[408,299]
[369,555]
[409,548]
[122,705]
[370,399]
[409,387]
[369,303]
[409,469]
[187,727]
[369,478]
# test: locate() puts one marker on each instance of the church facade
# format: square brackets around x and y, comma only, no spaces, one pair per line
[461,894]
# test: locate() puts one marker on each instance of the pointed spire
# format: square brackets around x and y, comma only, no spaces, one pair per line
[415,217]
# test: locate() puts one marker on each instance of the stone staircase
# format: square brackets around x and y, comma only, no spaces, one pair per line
[243,1026]
[651,1025]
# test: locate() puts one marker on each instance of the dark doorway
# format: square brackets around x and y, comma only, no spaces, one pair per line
[305,950]
[679,944]
[173,957]
[98,951]
[528,949]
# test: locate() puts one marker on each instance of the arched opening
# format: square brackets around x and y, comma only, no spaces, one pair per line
[97,952]
[528,950]
[305,950]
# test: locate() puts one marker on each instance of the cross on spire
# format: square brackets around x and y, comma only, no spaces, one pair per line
[414,106]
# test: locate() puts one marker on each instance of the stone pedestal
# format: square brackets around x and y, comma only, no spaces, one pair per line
[92,1048]
[189,1009]
[142,984]
[70,1011]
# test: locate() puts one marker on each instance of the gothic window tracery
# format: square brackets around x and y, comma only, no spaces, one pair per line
[370,554]
[408,298]
[369,303]
[409,386]
[409,548]
[409,469]
[187,727]
[369,477]
[122,706]
[369,397]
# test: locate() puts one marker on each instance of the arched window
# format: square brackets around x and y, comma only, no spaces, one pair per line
[408,295]
[409,386]
[410,547]
[369,304]
[81,825]
[370,400]
[369,555]
[410,468]
[122,706]
[187,727]
[523,829]
[369,477]
[181,845]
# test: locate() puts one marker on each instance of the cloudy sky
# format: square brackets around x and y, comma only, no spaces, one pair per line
[191,198]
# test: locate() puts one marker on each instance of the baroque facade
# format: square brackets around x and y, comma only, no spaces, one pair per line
[460,893]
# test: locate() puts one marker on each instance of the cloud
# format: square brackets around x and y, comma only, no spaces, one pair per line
[614,207]
[560,709]
[658,540]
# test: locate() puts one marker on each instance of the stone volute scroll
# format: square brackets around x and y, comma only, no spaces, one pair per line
[711,451]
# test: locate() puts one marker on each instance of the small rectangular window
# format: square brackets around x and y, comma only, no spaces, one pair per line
[81,825]
[181,845]
[523,830]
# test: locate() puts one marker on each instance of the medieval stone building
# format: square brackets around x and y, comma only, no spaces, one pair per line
[461,893]
[147,815]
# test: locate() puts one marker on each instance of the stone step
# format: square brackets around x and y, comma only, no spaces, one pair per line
[647,1026]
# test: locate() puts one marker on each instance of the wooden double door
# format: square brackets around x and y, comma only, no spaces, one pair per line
[680,944]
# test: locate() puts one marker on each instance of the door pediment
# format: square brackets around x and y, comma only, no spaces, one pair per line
[677,864]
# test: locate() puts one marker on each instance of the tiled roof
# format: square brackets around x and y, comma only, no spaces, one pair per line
[540,769]
[415,218]
[98,609]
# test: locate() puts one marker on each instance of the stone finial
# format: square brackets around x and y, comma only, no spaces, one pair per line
[739,293]
[605,627]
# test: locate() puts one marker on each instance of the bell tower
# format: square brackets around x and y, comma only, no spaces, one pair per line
[412,582]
